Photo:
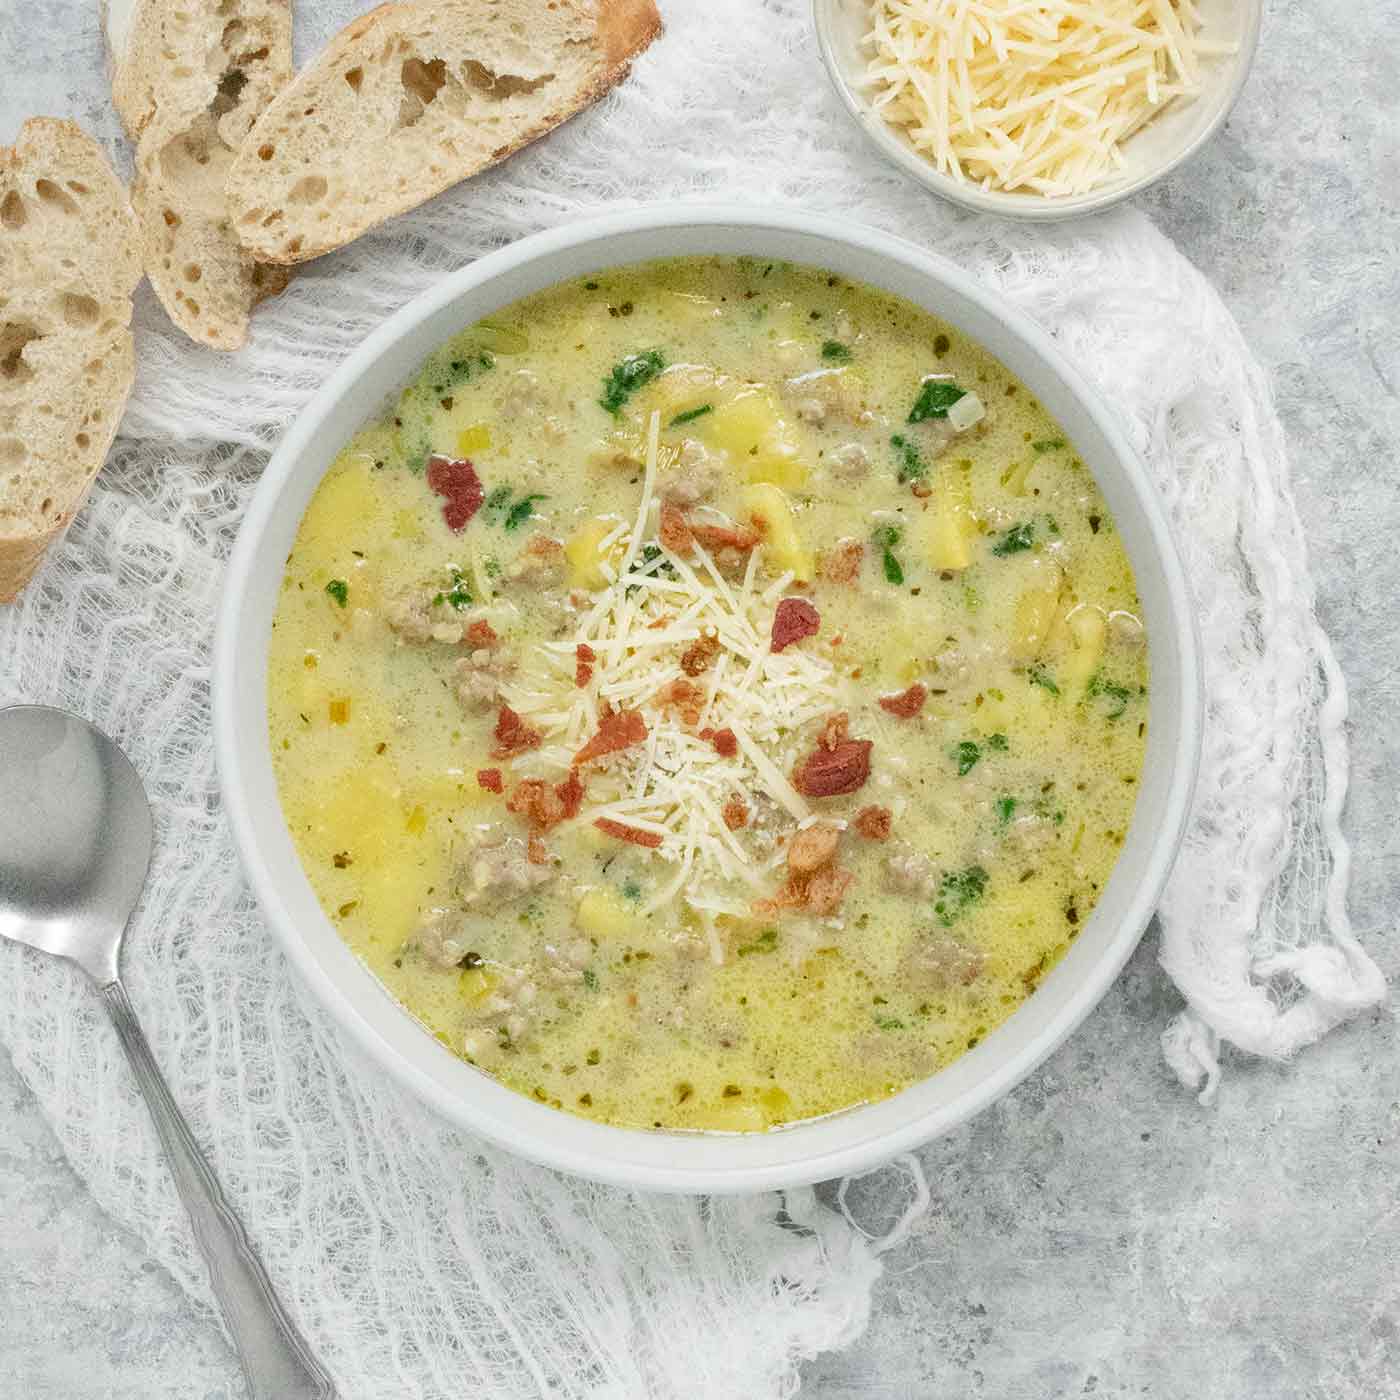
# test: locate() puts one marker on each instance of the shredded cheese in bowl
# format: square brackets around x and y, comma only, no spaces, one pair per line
[1032,95]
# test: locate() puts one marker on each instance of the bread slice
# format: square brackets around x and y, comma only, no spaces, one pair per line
[410,99]
[69,261]
[189,78]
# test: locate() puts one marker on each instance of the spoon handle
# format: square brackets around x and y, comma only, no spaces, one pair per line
[276,1361]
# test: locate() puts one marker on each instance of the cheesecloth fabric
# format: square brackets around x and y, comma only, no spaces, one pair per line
[422,1263]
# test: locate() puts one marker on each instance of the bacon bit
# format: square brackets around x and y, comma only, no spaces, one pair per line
[455,479]
[621,832]
[842,564]
[812,848]
[481,634]
[718,537]
[794,619]
[921,489]
[839,765]
[616,732]
[726,743]
[544,546]
[536,852]
[874,823]
[664,620]
[736,814]
[490,779]
[584,657]
[513,735]
[680,692]
[545,806]
[535,800]
[675,532]
[706,734]
[570,793]
[696,658]
[907,703]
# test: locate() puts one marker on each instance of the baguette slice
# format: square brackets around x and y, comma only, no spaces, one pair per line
[410,99]
[69,261]
[189,78]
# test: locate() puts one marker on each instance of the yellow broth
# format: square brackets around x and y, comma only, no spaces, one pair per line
[638,985]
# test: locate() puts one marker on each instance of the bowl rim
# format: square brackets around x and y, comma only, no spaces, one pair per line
[380,1027]
[1008,204]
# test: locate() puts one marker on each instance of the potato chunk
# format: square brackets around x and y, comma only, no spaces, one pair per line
[772,513]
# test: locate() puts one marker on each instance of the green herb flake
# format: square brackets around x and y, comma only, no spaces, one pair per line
[1017,538]
[885,539]
[998,742]
[628,376]
[632,890]
[456,596]
[764,943]
[1117,695]
[889,1023]
[590,979]
[912,466]
[1038,675]
[494,506]
[836,353]
[966,753]
[691,414]
[1006,809]
[339,590]
[521,511]
[958,890]
[936,397]
[1048,445]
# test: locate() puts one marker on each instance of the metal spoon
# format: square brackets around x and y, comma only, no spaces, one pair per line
[75,844]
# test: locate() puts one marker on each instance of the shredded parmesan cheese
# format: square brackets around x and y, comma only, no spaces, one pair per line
[675,785]
[1031,95]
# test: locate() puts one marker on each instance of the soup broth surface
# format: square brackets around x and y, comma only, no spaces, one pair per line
[713,697]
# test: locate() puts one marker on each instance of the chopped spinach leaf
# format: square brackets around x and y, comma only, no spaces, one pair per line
[1038,675]
[957,890]
[936,397]
[885,538]
[835,352]
[912,466]
[628,376]
[1116,695]
[1048,445]
[632,890]
[889,1023]
[1017,538]
[966,753]
[464,370]
[456,596]
[590,979]
[1006,809]
[497,499]
[339,590]
[691,414]
[521,511]
[997,742]
[650,554]
[764,943]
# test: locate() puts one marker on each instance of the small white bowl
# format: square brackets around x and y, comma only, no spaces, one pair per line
[1151,153]
[845,1142]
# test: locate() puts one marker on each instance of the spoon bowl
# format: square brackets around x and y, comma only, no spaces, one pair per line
[75,838]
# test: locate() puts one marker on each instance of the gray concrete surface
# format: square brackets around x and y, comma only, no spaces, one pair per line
[1098,1234]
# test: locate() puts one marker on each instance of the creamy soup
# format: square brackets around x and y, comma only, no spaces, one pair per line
[713,697]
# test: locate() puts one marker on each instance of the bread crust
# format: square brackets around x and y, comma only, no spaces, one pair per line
[621,29]
[69,261]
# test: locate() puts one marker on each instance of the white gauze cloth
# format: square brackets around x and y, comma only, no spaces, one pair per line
[422,1263]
